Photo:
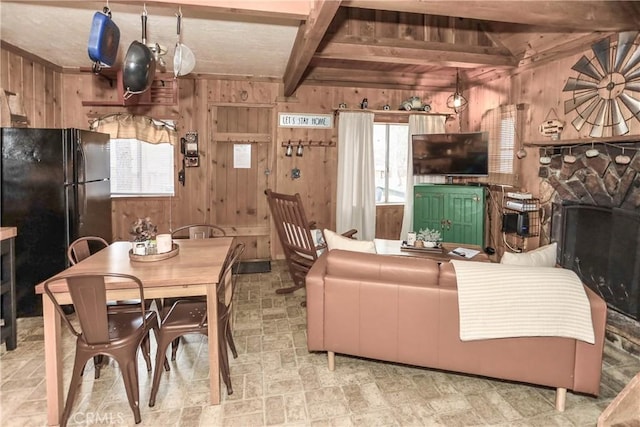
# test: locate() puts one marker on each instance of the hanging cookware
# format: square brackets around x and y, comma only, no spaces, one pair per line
[139,66]
[183,59]
[104,38]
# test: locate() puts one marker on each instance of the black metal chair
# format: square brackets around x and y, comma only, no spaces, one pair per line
[188,316]
[102,332]
[82,248]
[198,231]
[191,231]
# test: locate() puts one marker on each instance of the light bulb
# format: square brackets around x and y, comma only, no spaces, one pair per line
[623,159]
[457,102]
[593,152]
[545,160]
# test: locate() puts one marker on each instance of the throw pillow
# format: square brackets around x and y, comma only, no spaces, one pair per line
[318,241]
[544,256]
[337,241]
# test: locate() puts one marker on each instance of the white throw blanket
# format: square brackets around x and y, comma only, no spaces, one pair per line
[499,301]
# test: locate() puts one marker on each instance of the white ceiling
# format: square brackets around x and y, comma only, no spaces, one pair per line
[368,43]
[223,44]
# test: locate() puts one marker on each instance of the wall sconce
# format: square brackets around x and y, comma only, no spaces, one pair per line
[456,101]
[289,150]
[299,149]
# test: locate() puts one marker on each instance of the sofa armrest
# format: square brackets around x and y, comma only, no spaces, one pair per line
[588,364]
[315,303]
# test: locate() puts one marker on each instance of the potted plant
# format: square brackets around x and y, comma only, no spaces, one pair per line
[428,237]
[143,230]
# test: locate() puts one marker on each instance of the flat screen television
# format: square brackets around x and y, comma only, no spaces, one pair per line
[451,154]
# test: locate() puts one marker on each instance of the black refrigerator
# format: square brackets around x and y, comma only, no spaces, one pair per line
[55,188]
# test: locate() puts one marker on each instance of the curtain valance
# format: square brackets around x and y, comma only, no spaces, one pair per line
[130,126]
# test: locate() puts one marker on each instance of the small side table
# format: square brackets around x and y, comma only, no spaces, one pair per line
[8,287]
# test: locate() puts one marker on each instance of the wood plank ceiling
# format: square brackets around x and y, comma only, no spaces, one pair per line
[394,44]
[420,44]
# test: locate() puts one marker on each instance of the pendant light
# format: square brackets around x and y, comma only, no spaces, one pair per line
[456,101]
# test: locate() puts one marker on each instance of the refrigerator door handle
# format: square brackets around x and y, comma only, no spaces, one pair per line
[82,203]
[81,163]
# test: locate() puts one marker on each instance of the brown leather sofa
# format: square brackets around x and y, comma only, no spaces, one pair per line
[405,310]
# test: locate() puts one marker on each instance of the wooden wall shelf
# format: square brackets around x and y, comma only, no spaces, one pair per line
[390,112]
[12,110]
[567,142]
[391,116]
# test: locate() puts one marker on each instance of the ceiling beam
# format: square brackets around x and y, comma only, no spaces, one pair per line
[394,51]
[298,10]
[562,50]
[308,39]
[582,15]
[381,79]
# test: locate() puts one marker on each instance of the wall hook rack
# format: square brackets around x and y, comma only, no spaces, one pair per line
[309,143]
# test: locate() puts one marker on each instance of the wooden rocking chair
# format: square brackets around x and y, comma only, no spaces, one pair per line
[295,234]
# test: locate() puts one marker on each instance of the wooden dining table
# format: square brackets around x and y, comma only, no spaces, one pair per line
[193,271]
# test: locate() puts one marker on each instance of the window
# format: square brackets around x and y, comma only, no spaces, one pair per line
[502,160]
[390,147]
[501,123]
[141,169]
[142,154]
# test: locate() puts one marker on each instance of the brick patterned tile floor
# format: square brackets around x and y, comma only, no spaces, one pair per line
[277,381]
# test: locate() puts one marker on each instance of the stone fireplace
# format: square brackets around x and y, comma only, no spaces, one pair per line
[592,208]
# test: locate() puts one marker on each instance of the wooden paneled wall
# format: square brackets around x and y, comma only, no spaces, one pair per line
[539,88]
[38,84]
[54,99]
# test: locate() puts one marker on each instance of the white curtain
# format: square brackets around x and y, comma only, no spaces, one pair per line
[356,202]
[418,124]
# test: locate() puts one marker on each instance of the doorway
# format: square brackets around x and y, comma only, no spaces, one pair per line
[239,173]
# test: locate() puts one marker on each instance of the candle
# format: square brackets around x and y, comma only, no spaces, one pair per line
[164,243]
[411,238]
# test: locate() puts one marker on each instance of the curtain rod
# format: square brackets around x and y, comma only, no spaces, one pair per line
[171,126]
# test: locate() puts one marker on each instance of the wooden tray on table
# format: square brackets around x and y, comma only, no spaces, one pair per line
[434,250]
[175,249]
